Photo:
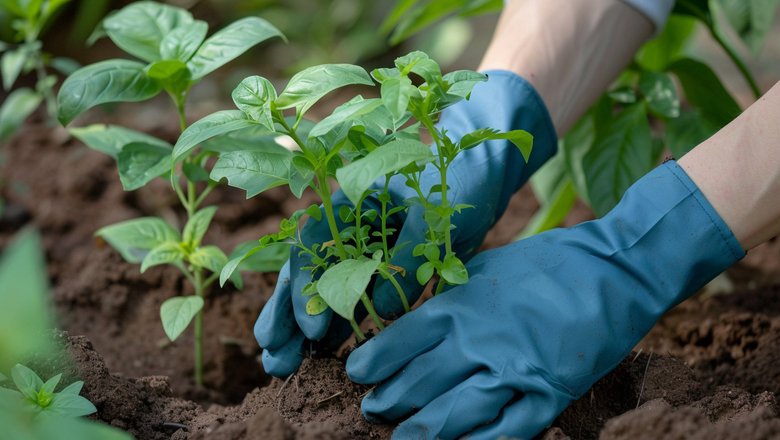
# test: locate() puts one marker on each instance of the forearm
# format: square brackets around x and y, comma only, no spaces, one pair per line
[569,50]
[738,170]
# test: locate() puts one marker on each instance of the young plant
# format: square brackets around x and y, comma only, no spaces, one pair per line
[363,144]
[175,55]
[41,397]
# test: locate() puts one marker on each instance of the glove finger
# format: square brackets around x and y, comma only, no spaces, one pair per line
[275,325]
[474,402]
[284,360]
[424,379]
[387,300]
[522,419]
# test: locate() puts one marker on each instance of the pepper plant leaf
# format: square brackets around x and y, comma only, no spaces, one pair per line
[164,253]
[197,226]
[16,108]
[139,163]
[462,82]
[342,285]
[704,90]
[229,43]
[660,93]
[522,139]
[396,93]
[11,65]
[26,380]
[253,171]
[215,124]
[71,405]
[176,314]
[316,305]
[358,176]
[310,85]
[182,42]
[687,131]
[133,239]
[102,82]
[209,257]
[110,139]
[345,113]
[453,271]
[254,96]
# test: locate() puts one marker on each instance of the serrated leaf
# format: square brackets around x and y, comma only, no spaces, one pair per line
[164,253]
[197,226]
[316,305]
[176,314]
[254,96]
[342,285]
[71,405]
[522,139]
[110,139]
[139,163]
[16,108]
[358,176]
[215,124]
[310,85]
[182,42]
[345,113]
[453,271]
[133,239]
[230,42]
[140,27]
[253,171]
[102,82]
[660,93]
[209,257]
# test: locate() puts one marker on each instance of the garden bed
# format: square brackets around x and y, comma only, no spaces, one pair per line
[708,370]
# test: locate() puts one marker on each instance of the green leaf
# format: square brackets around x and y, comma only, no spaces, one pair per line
[358,176]
[139,163]
[23,301]
[424,273]
[705,92]
[11,66]
[660,93]
[181,43]
[215,124]
[396,93]
[556,195]
[620,156]
[342,285]
[133,239]
[687,131]
[751,19]
[110,139]
[74,388]
[71,405]
[51,384]
[309,85]
[253,171]
[140,27]
[268,259]
[177,312]
[102,82]
[26,380]
[462,82]
[453,271]
[421,64]
[164,253]
[520,138]
[254,97]
[345,113]
[670,45]
[197,226]
[209,257]
[301,175]
[316,305]
[165,69]
[230,42]
[195,172]
[16,108]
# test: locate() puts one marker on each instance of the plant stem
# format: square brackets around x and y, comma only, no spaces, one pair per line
[370,308]
[199,331]
[327,204]
[398,288]
[384,223]
[181,103]
[359,335]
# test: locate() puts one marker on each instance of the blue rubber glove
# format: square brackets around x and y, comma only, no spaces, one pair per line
[485,176]
[544,318]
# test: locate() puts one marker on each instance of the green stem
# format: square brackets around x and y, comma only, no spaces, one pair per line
[359,335]
[370,308]
[743,69]
[199,331]
[181,103]
[327,204]
[358,218]
[384,223]
[191,199]
[388,276]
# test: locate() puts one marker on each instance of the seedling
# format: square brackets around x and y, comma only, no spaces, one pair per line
[175,55]
[363,144]
[42,397]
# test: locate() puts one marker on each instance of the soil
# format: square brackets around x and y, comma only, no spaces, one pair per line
[708,370]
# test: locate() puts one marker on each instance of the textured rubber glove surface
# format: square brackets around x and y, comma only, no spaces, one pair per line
[543,319]
[484,176]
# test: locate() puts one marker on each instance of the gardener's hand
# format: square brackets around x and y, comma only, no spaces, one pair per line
[542,319]
[485,177]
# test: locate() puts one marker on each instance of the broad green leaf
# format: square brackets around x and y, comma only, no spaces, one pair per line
[164,70]
[209,257]
[619,156]
[195,172]
[751,19]
[197,226]
[453,271]
[421,64]
[110,139]
[182,42]
[396,93]
[74,388]
[462,82]
[255,137]
[17,423]
[670,45]
[660,93]
[424,273]
[71,405]
[139,163]
[133,239]
[176,314]
[164,253]
[16,108]
[345,113]
[51,384]
[342,285]
[310,85]
[215,124]
[102,82]
[705,92]
[522,139]
[358,176]
[301,175]
[687,131]
[229,270]
[254,97]
[230,42]
[253,171]
[269,259]
[23,301]
[26,380]
[11,65]
[316,305]
[140,27]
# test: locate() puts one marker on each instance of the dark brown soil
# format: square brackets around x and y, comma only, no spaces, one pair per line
[709,369]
